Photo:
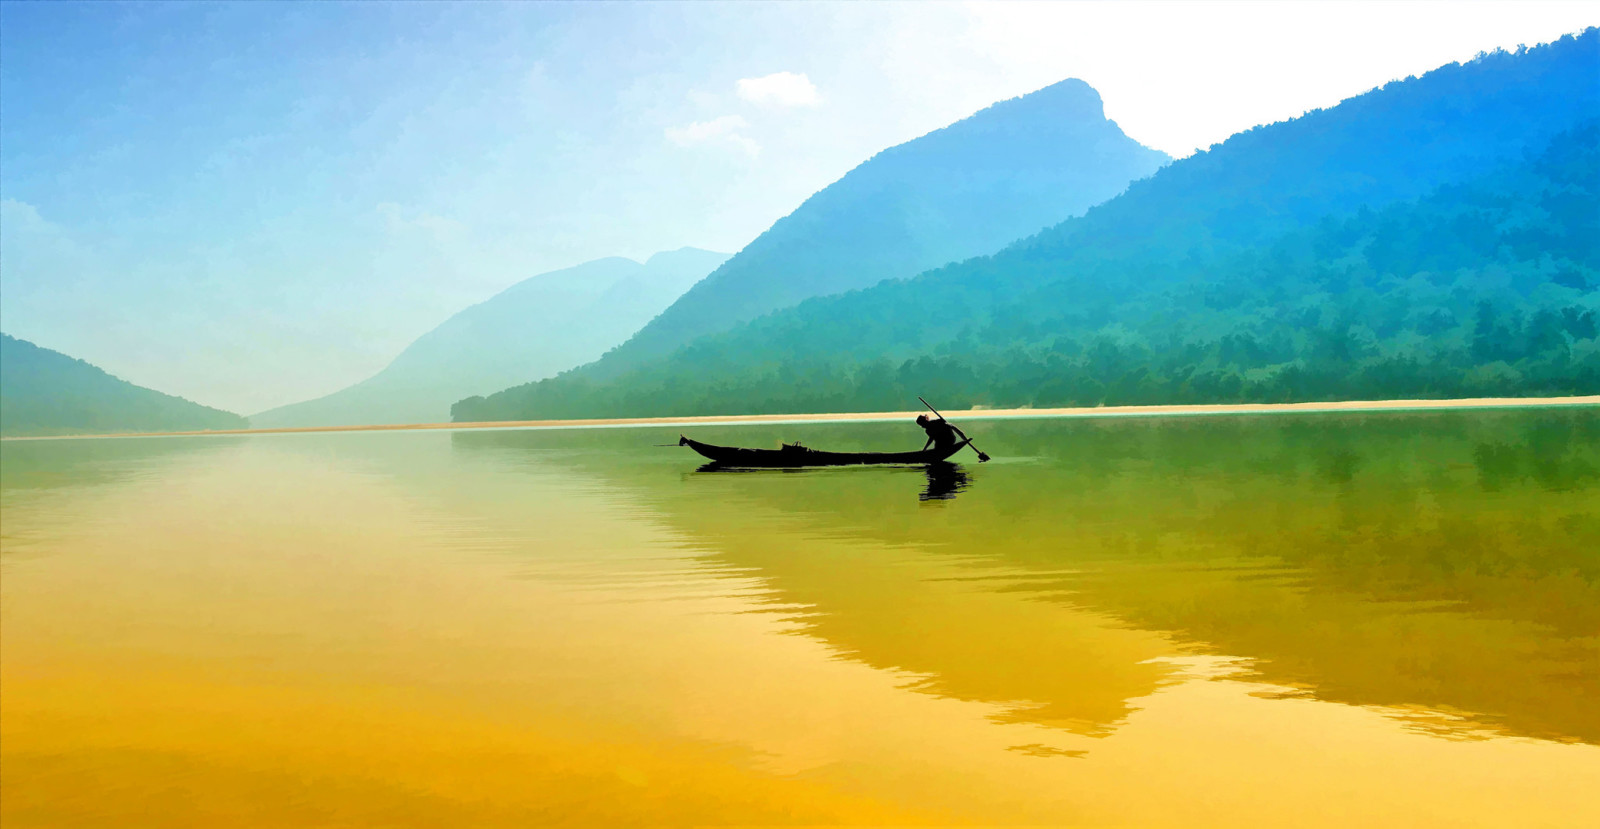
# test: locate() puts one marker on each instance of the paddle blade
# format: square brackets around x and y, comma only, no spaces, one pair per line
[982,457]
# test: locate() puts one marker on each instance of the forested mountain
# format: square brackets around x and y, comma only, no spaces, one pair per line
[1432,238]
[538,327]
[44,392]
[964,190]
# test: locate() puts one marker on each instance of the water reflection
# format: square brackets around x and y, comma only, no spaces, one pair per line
[51,478]
[944,480]
[1122,623]
[1384,560]
[43,464]
[1556,454]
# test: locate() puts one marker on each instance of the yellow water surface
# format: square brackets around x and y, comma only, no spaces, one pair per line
[1307,620]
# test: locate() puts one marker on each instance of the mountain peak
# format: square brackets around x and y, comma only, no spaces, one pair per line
[1065,110]
[1364,251]
[1071,97]
[960,191]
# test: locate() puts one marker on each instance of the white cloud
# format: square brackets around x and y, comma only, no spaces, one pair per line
[723,130]
[782,88]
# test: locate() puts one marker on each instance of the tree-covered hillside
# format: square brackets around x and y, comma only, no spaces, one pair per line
[44,392]
[1432,238]
[964,190]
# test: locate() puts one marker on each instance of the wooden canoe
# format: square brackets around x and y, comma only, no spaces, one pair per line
[796,456]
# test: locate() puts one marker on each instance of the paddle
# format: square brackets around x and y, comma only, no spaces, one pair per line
[981,457]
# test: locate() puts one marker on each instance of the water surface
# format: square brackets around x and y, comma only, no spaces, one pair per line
[1309,620]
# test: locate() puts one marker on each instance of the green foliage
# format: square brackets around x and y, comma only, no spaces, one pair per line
[961,191]
[1458,294]
[44,392]
[1435,238]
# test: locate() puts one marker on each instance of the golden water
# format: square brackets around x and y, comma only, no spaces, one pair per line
[1307,620]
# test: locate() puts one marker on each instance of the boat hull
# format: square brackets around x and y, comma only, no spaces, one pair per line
[793,457]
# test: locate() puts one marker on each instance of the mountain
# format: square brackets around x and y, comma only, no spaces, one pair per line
[538,327]
[1434,237]
[957,192]
[44,392]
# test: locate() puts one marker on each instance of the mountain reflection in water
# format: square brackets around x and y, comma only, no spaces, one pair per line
[1437,566]
[1157,622]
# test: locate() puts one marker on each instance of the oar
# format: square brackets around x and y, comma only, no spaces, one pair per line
[981,457]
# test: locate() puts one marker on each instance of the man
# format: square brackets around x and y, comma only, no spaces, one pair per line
[940,432]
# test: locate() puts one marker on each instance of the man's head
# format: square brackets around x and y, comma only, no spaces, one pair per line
[922,420]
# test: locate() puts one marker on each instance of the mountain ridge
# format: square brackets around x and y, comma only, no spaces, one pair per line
[46,392]
[1184,225]
[941,197]
[533,329]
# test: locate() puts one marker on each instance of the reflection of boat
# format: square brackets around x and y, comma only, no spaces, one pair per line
[795,455]
[945,481]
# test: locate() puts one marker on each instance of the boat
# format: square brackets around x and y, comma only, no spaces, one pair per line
[795,455]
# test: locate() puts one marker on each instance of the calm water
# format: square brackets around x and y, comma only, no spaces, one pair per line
[1307,620]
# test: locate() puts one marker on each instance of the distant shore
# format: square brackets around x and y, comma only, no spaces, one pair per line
[964,414]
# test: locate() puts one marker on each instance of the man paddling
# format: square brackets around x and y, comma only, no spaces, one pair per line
[941,432]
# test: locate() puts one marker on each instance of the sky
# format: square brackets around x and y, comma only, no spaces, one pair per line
[252,204]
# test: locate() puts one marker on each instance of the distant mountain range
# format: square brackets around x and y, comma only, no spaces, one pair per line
[964,190]
[536,328]
[44,392]
[1435,237]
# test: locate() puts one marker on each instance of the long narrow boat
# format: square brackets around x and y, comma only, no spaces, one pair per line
[796,456]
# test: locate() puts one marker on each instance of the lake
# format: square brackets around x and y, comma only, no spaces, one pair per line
[1270,620]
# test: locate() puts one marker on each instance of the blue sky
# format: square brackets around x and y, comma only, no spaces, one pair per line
[250,204]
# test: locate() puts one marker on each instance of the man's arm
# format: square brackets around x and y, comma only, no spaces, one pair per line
[927,444]
[959,432]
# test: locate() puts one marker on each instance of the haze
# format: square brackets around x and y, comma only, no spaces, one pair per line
[253,204]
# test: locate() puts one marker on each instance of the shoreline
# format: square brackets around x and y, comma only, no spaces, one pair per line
[967,414]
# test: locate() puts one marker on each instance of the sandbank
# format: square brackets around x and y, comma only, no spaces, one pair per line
[954,414]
